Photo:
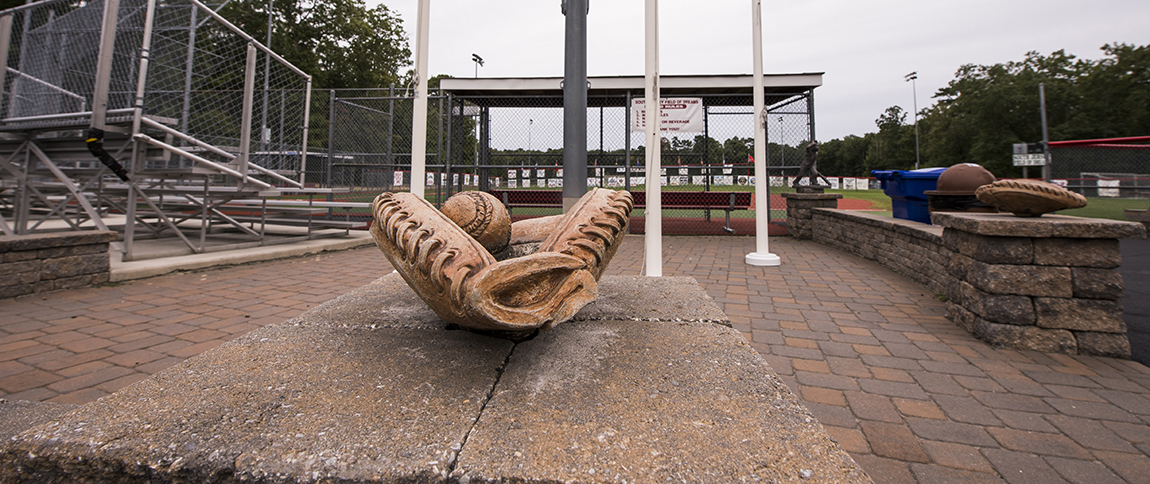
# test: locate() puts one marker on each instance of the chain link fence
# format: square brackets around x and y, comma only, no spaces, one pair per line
[53,48]
[513,147]
[1105,169]
[196,85]
[194,81]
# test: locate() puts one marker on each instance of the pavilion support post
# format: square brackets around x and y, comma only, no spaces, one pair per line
[575,103]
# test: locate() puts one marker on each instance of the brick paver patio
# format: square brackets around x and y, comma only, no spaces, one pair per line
[911,396]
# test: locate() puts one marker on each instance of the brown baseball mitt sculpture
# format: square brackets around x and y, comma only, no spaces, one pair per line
[463,283]
[1028,198]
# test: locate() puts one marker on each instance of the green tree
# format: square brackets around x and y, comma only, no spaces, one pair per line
[340,43]
[846,156]
[1115,96]
[985,109]
[893,145]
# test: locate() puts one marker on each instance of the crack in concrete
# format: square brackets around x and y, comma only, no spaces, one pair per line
[475,423]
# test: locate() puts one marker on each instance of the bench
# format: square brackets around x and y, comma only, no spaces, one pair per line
[304,213]
[725,201]
[529,198]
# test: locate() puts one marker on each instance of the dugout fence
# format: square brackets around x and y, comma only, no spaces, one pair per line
[506,135]
[1107,168]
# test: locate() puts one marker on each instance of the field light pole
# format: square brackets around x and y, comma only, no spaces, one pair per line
[914,90]
[478,62]
[419,117]
[762,255]
[654,214]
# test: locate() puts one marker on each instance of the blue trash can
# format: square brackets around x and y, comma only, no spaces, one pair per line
[905,189]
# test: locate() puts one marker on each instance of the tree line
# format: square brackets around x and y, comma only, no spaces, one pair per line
[986,108]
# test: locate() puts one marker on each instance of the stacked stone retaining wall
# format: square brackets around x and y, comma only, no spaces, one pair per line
[37,263]
[1047,284]
[909,248]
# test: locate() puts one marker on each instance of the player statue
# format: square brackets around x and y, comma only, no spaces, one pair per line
[807,169]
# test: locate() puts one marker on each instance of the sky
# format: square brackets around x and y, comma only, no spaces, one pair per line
[864,48]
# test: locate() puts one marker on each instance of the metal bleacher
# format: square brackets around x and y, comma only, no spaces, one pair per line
[140,116]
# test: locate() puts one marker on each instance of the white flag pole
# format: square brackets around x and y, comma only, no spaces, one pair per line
[762,255]
[419,117]
[654,210]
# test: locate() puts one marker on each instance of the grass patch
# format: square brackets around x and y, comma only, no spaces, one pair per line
[877,198]
[1108,208]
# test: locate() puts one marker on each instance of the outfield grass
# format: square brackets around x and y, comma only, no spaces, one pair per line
[877,198]
[1108,208]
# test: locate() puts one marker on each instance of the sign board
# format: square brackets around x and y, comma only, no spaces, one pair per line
[1029,154]
[1032,159]
[677,115]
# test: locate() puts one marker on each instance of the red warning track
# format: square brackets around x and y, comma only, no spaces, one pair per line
[780,203]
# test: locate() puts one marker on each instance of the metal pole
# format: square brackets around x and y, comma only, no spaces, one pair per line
[654,213]
[914,89]
[22,59]
[439,158]
[419,117]
[306,120]
[705,166]
[485,146]
[762,255]
[186,113]
[627,145]
[1045,134]
[5,40]
[575,103]
[446,163]
[330,138]
[599,160]
[145,54]
[390,125]
[104,64]
[246,116]
[451,147]
[265,133]
[811,112]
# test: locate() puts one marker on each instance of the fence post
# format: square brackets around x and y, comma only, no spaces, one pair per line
[484,146]
[390,125]
[627,145]
[447,167]
[330,138]
[104,64]
[450,125]
[5,40]
[306,120]
[246,116]
[186,112]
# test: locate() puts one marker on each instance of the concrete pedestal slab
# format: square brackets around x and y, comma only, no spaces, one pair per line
[370,387]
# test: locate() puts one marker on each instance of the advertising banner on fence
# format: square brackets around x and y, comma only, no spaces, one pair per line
[678,114]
